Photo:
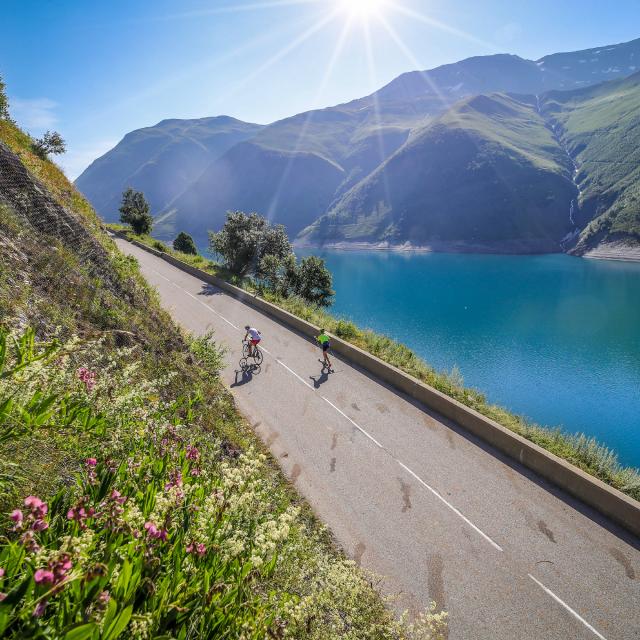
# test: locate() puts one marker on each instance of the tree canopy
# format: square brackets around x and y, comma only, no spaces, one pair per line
[4,101]
[314,282]
[50,143]
[185,244]
[134,211]
[245,240]
[250,246]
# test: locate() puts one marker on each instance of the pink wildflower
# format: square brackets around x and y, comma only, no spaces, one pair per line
[38,512]
[40,525]
[88,378]
[192,453]
[1,572]
[44,576]
[198,548]
[155,533]
[175,480]
[39,610]
[37,506]
[29,541]
[2,596]
[91,462]
[35,519]
[116,496]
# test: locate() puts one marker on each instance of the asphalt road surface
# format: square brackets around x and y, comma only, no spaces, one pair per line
[439,514]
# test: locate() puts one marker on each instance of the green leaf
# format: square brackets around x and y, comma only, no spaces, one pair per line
[16,594]
[82,632]
[119,624]
[110,613]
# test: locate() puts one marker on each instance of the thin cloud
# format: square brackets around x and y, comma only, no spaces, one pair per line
[34,113]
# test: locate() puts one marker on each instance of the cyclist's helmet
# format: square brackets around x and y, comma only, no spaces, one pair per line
[247,327]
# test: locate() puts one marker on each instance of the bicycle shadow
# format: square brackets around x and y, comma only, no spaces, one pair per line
[247,375]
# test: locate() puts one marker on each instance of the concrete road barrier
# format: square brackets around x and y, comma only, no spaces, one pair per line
[612,503]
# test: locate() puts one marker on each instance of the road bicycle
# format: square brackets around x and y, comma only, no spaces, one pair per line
[254,360]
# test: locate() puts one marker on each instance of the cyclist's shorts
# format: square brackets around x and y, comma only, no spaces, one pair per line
[254,342]
[325,346]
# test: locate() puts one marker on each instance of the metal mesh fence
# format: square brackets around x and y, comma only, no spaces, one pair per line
[49,220]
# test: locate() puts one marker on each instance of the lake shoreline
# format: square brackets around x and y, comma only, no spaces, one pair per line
[619,253]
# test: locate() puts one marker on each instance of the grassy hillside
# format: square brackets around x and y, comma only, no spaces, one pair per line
[134,500]
[486,175]
[160,161]
[601,128]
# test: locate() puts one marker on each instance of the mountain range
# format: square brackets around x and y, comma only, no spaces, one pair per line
[492,153]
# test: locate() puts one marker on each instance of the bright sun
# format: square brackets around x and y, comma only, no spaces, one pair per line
[362,8]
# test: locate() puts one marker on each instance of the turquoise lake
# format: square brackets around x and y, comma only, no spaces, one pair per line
[554,338]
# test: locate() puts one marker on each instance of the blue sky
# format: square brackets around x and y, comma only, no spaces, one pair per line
[96,70]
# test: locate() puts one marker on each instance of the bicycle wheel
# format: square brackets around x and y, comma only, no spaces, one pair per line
[258,357]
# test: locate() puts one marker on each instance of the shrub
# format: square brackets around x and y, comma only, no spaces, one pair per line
[50,143]
[345,329]
[208,353]
[185,244]
[314,282]
[159,246]
[134,211]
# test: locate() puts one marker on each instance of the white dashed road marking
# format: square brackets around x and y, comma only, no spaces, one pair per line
[575,614]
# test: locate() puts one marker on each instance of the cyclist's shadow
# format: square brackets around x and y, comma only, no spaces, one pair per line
[321,379]
[247,375]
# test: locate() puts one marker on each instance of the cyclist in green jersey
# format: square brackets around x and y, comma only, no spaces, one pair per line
[323,341]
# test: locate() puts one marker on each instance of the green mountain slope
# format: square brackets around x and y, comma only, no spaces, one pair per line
[600,128]
[291,170]
[296,185]
[160,161]
[487,175]
[275,177]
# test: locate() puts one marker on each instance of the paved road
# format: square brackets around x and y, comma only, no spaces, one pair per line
[441,515]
